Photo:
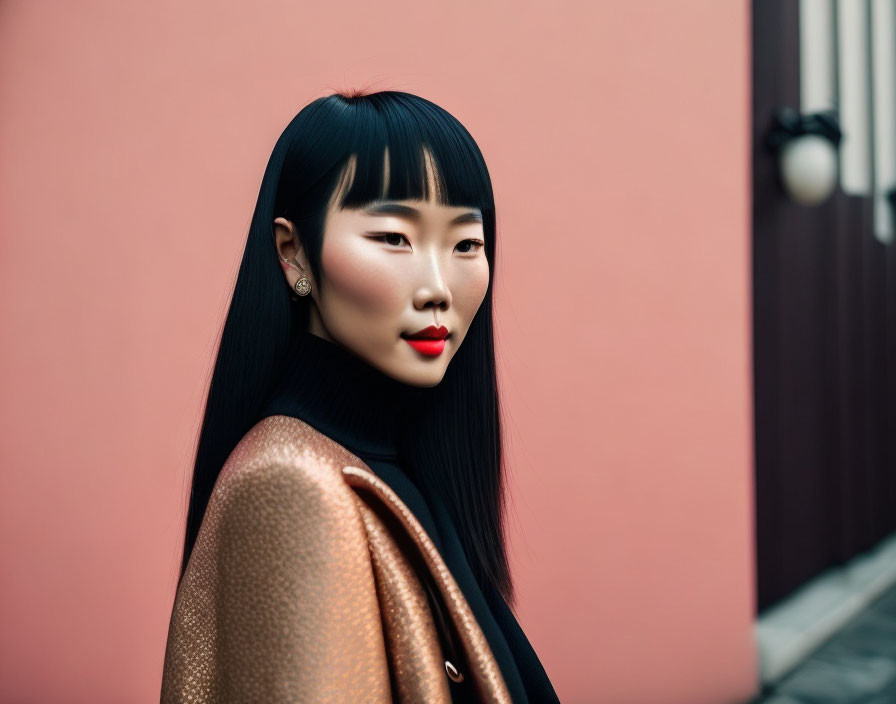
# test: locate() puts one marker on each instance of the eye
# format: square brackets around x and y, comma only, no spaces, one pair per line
[478,244]
[390,238]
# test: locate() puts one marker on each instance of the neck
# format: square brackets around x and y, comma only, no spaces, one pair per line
[344,397]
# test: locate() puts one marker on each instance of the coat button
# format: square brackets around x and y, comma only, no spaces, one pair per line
[453,672]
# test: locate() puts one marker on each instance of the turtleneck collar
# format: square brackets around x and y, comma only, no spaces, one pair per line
[344,397]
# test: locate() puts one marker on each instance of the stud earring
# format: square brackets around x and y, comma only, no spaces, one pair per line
[303,285]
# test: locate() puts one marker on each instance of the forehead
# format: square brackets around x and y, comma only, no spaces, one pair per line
[410,209]
[413,212]
[419,210]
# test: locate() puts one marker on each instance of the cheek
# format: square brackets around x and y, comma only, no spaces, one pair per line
[472,287]
[361,281]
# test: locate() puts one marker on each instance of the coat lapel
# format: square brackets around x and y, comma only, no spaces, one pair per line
[385,514]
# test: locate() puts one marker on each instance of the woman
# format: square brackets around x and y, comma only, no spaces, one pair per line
[359,333]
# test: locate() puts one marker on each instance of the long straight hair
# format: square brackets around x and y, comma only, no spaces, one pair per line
[456,436]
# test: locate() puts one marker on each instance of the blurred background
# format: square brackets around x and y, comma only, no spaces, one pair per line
[694,308]
[824,344]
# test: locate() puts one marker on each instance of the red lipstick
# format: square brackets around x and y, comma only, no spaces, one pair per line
[429,341]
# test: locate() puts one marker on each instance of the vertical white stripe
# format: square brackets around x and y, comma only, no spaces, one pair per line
[883,72]
[854,97]
[817,77]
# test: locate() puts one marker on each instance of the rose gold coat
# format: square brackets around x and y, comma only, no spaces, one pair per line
[307,583]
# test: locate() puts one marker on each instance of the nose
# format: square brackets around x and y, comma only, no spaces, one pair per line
[433,289]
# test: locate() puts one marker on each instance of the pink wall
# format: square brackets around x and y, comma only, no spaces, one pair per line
[134,137]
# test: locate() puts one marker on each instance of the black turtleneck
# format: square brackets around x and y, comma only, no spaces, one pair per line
[363,409]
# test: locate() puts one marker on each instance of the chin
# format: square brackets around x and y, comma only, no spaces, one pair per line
[423,380]
[421,376]
[431,384]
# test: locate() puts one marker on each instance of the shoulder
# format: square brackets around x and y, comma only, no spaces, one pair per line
[283,463]
[280,495]
[279,596]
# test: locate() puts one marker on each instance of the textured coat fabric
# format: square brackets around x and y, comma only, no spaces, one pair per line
[303,587]
[361,410]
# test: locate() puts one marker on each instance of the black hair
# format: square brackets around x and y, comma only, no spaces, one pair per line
[458,437]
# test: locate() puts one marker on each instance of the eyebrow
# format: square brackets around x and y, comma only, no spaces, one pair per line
[405,211]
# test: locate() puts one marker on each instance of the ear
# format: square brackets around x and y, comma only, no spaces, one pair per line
[289,246]
[287,242]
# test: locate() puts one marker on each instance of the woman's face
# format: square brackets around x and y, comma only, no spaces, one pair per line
[392,270]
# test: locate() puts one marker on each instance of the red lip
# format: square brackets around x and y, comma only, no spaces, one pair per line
[429,346]
[430,333]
